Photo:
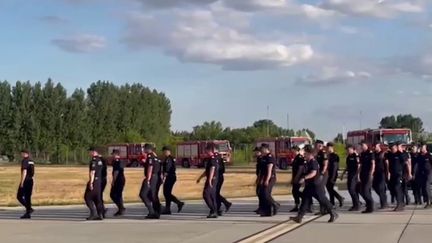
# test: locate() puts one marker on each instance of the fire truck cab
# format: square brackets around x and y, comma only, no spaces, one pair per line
[384,136]
[281,148]
[193,153]
[129,152]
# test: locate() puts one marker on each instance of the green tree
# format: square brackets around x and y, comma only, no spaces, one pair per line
[404,121]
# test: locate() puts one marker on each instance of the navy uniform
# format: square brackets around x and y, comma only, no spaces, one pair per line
[149,193]
[92,195]
[258,173]
[118,184]
[269,205]
[415,184]
[169,171]
[406,157]
[367,162]
[379,178]
[333,167]
[424,176]
[25,189]
[313,188]
[219,198]
[321,158]
[396,170]
[104,181]
[298,169]
[209,192]
[352,163]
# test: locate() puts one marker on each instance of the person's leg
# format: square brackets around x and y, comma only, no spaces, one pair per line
[331,192]
[154,190]
[89,202]
[28,191]
[167,191]
[144,195]
[352,189]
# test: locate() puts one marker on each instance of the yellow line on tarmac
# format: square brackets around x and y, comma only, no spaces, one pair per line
[275,231]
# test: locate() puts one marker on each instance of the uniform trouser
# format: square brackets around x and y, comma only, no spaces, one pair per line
[219,198]
[297,194]
[103,186]
[155,184]
[353,189]
[332,192]
[93,199]
[318,192]
[146,197]
[258,190]
[379,186]
[405,191]
[117,192]
[209,195]
[366,191]
[426,187]
[417,190]
[167,191]
[24,194]
[396,185]
[323,184]
[266,197]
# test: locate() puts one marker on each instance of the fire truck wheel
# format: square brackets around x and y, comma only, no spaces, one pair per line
[185,163]
[283,164]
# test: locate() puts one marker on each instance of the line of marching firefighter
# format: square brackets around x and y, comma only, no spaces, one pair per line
[315,169]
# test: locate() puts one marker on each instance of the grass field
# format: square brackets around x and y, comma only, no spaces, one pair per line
[65,185]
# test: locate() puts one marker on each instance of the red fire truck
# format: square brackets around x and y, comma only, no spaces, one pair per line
[281,147]
[384,136]
[129,152]
[192,153]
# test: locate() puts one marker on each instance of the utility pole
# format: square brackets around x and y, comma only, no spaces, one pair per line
[288,124]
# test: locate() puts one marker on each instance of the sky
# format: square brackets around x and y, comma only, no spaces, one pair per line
[328,65]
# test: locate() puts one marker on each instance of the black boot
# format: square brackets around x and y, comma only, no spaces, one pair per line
[333,217]
[297,219]
[295,209]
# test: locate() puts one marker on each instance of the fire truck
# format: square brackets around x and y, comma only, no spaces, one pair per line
[193,153]
[384,136]
[129,152]
[281,148]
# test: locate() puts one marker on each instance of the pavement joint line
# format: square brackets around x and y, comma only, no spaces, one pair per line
[275,231]
[407,224]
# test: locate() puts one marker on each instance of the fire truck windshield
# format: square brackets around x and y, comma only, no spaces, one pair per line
[392,138]
[298,143]
[223,147]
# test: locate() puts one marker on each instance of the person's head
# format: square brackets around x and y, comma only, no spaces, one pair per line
[400,146]
[257,151]
[393,147]
[423,148]
[166,151]
[209,149]
[350,149]
[116,153]
[265,148]
[296,149]
[92,152]
[319,144]
[148,148]
[302,151]
[414,148]
[377,147]
[25,153]
[309,152]
[364,146]
[330,147]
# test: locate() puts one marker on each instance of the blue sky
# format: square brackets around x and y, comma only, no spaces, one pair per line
[320,61]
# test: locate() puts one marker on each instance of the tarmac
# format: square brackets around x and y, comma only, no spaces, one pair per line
[240,224]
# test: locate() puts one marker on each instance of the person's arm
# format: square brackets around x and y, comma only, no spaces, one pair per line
[372,170]
[299,173]
[408,165]
[91,179]
[359,166]
[269,174]
[201,176]
[311,175]
[325,165]
[115,175]
[23,176]
[212,172]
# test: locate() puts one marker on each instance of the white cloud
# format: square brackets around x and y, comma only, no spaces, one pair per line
[197,36]
[334,75]
[174,3]
[83,43]
[374,8]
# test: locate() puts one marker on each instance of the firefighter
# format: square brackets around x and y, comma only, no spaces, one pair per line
[333,167]
[148,193]
[219,198]
[211,174]
[169,179]
[424,174]
[379,181]
[93,194]
[258,157]
[25,189]
[104,181]
[406,158]
[322,159]
[395,172]
[415,185]
[352,167]
[367,170]
[298,167]
[118,183]
[267,181]
[313,188]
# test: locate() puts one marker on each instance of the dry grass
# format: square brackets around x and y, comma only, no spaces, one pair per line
[65,185]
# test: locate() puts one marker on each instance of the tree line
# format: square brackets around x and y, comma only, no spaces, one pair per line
[46,120]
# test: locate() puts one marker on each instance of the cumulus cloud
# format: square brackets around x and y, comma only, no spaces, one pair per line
[174,3]
[334,75]
[197,36]
[83,43]
[374,8]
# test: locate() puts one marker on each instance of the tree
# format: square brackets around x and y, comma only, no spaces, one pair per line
[207,131]
[404,121]
[339,138]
